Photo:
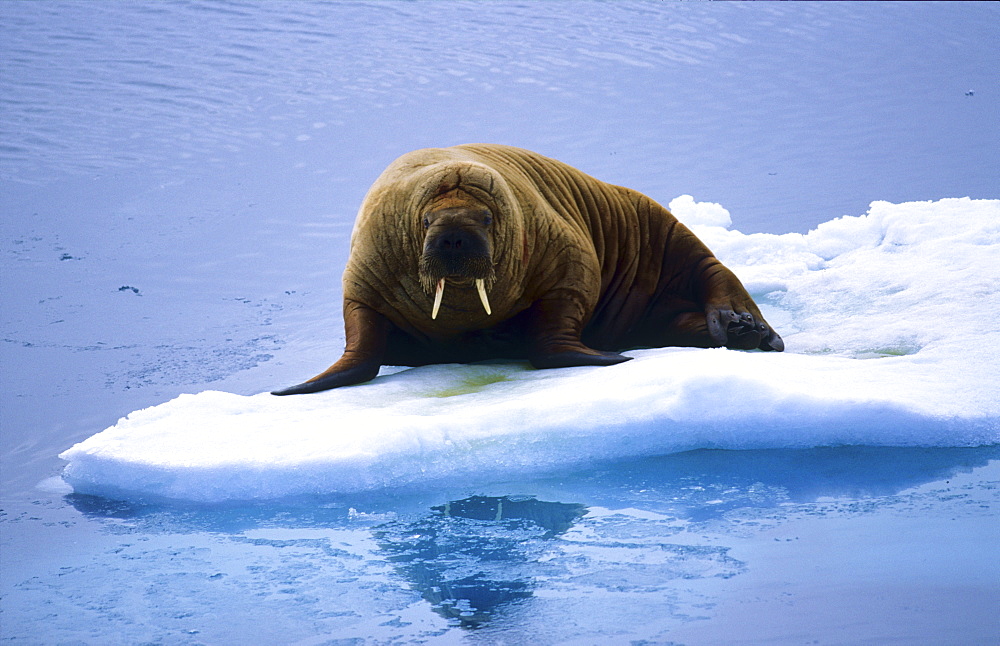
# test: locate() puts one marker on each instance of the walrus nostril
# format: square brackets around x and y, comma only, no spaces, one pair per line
[456,244]
[453,241]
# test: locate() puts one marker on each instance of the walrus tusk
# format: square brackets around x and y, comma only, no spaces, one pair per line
[481,288]
[438,294]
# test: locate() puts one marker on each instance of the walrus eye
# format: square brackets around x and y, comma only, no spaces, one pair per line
[488,220]
[427,223]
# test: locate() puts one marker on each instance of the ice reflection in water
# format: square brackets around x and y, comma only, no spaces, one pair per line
[645,544]
[475,556]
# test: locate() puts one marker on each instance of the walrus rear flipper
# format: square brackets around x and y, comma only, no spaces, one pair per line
[773,342]
[742,330]
[366,331]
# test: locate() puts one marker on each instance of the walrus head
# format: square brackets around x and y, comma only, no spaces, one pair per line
[438,219]
[457,246]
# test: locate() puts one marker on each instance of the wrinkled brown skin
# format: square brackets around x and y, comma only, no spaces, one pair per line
[576,270]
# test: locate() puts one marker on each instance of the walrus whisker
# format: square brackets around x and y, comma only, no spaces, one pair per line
[481,288]
[438,295]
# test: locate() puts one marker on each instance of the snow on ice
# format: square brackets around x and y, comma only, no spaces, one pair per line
[890,340]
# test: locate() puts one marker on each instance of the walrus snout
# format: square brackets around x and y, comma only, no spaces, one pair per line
[457,249]
[460,256]
[457,252]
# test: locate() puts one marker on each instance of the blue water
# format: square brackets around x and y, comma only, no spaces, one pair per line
[178,186]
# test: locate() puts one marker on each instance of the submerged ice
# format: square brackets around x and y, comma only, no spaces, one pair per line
[888,343]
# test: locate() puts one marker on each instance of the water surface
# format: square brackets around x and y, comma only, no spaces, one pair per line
[178,186]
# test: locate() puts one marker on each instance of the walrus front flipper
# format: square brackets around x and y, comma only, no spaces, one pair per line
[356,375]
[554,329]
[366,331]
[571,358]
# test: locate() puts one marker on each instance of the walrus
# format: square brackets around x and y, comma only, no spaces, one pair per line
[483,251]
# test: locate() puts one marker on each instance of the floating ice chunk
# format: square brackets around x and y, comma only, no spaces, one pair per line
[706,214]
[882,317]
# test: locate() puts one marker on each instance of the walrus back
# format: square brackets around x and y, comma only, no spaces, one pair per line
[650,262]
